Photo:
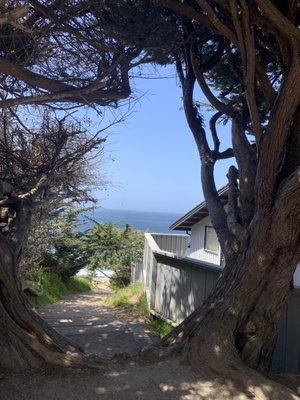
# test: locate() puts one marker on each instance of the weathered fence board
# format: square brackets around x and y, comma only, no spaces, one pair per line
[286,357]
[176,285]
[172,243]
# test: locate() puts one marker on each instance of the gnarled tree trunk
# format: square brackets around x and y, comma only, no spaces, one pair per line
[26,340]
[259,233]
[241,315]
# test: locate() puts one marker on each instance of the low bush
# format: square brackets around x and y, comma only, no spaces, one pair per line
[111,248]
[121,277]
[126,297]
[50,287]
[161,327]
[133,297]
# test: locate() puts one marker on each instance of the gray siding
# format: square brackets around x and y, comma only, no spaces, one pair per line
[286,357]
[176,244]
[176,285]
[197,249]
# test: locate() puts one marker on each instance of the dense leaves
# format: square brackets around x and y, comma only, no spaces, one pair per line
[103,248]
[66,250]
[114,249]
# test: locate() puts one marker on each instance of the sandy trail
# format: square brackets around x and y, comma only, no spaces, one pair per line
[98,329]
[105,331]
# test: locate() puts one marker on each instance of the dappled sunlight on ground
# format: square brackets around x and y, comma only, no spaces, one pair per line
[86,320]
[105,331]
[161,381]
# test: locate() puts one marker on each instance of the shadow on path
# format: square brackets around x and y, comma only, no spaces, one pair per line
[86,320]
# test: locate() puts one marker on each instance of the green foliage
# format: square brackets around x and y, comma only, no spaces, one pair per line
[68,253]
[102,247]
[111,248]
[139,24]
[52,287]
[127,297]
[133,297]
[78,284]
[143,306]
[162,328]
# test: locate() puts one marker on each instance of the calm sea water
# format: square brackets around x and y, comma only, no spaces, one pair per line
[141,220]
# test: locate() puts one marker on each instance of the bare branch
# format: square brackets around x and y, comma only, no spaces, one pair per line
[186,11]
[247,164]
[223,155]
[247,47]
[216,22]
[264,83]
[282,24]
[219,105]
[213,129]
[36,190]
[11,17]
[250,64]
[233,210]
[216,154]
[214,205]
[60,91]
[48,13]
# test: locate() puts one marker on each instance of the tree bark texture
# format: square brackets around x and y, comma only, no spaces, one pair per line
[26,340]
[241,315]
[259,234]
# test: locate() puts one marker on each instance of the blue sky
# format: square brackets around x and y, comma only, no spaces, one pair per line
[156,165]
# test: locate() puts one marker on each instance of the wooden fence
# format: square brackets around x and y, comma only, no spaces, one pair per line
[175,285]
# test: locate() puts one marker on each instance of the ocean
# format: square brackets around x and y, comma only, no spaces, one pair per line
[141,220]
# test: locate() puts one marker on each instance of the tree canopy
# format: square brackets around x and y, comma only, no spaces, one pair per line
[244,57]
[74,51]
[114,249]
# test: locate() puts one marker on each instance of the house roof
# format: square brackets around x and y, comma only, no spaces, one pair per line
[199,212]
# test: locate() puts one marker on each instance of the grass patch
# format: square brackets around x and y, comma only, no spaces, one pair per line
[133,297]
[126,297]
[51,287]
[143,306]
[162,328]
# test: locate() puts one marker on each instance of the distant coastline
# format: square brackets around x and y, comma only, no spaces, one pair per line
[141,220]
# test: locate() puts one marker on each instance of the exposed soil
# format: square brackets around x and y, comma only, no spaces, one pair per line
[106,331]
[164,380]
[85,319]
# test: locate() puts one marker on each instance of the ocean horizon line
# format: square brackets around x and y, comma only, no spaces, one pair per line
[138,211]
[141,220]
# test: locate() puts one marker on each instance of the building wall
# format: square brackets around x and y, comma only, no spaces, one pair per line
[177,244]
[176,285]
[297,277]
[197,249]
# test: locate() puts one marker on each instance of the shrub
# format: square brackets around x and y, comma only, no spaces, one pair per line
[114,249]
[162,328]
[134,297]
[51,287]
[127,297]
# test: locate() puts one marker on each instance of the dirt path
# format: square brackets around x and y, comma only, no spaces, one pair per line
[85,319]
[98,329]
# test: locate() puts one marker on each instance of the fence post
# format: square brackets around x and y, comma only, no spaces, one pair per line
[153,283]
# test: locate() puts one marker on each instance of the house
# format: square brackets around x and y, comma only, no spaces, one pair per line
[204,245]
[178,272]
